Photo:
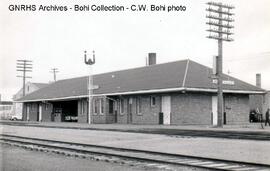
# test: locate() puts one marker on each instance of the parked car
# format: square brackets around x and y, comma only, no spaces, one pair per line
[14,118]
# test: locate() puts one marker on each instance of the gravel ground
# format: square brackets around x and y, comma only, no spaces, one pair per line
[18,159]
[239,150]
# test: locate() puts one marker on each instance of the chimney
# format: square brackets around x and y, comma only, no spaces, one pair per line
[152,58]
[258,80]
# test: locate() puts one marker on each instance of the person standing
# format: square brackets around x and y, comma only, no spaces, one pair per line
[267,120]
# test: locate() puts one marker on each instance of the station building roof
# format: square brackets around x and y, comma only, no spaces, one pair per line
[184,75]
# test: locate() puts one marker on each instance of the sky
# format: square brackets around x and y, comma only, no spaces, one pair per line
[122,40]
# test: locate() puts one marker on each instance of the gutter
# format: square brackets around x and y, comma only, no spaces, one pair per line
[146,92]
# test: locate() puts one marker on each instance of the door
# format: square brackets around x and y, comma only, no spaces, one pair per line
[214,110]
[27,112]
[40,112]
[166,109]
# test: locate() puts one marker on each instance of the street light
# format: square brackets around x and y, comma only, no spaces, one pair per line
[89,62]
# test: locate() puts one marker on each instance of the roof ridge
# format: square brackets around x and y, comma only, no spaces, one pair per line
[125,69]
[185,76]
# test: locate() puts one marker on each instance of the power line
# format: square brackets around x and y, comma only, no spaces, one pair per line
[250,57]
[54,71]
[219,21]
[24,66]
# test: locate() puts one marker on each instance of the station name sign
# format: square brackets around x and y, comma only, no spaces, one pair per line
[94,87]
[225,82]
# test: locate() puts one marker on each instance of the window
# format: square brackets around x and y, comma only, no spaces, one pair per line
[111,106]
[101,106]
[32,106]
[139,105]
[95,106]
[46,106]
[153,101]
[121,106]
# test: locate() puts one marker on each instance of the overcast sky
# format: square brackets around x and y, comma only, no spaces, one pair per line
[123,39]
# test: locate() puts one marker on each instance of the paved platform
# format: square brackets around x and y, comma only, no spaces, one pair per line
[229,149]
[251,127]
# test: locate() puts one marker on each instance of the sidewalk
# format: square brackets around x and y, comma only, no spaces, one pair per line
[251,127]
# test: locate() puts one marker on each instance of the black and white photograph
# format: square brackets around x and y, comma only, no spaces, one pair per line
[111,85]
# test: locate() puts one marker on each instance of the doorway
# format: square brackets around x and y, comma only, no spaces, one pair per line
[166,109]
[40,112]
[27,112]
[214,111]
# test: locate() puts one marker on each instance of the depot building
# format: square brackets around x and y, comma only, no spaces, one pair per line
[180,92]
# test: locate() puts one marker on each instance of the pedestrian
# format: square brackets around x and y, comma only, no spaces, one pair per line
[267,119]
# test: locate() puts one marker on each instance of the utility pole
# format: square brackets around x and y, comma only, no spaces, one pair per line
[24,66]
[54,71]
[89,62]
[220,18]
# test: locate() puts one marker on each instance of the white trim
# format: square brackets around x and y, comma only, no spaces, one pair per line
[225,91]
[121,102]
[101,107]
[142,91]
[53,99]
[185,76]
[147,91]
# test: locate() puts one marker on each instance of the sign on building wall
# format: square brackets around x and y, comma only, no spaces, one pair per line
[225,82]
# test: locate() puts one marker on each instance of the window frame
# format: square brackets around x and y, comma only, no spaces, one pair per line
[101,106]
[121,106]
[151,101]
[95,107]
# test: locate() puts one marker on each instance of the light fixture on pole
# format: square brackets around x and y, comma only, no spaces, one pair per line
[89,62]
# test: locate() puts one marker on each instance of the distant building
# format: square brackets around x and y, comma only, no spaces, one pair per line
[29,88]
[266,103]
[181,92]
[6,109]
[259,102]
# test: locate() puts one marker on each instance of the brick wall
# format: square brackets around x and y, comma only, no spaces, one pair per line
[24,111]
[186,108]
[266,103]
[256,101]
[47,112]
[82,113]
[122,117]
[33,112]
[149,114]
[191,108]
[237,109]
[100,117]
